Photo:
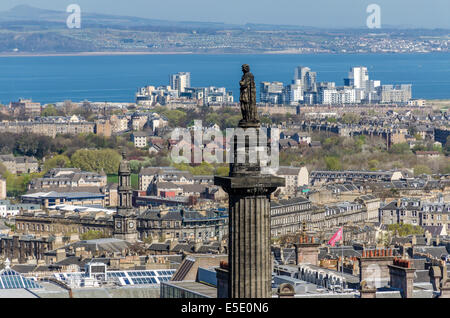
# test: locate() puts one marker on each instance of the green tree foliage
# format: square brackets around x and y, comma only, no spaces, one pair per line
[223,170]
[176,117]
[421,169]
[200,169]
[50,110]
[96,160]
[58,161]
[359,143]
[350,118]
[400,148]
[373,164]
[333,163]
[405,229]
[92,235]
[148,240]
[16,185]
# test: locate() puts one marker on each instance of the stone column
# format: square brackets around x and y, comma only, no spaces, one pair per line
[249,255]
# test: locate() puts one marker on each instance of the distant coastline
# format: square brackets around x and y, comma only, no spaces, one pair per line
[106,53]
[282,52]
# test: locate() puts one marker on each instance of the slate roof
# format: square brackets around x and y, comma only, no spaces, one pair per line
[435,251]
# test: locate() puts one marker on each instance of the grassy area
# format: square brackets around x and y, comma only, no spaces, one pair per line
[114,178]
[439,104]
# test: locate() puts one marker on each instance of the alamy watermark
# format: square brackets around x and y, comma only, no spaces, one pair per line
[74,19]
[239,146]
[374,19]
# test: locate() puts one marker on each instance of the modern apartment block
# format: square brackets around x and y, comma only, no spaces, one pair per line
[180,81]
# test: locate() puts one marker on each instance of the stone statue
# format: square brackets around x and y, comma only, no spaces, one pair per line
[248,97]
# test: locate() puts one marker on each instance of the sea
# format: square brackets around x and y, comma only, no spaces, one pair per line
[116,78]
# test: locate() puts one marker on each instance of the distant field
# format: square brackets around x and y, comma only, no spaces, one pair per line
[114,178]
[439,103]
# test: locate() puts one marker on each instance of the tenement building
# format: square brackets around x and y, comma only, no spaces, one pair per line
[49,126]
[174,223]
[68,177]
[339,214]
[416,212]
[52,222]
[183,224]
[287,216]
[22,164]
[321,177]
[295,177]
[24,247]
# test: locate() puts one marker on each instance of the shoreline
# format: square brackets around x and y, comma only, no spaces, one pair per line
[90,54]
[130,53]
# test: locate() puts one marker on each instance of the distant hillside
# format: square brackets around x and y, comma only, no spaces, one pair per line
[27,29]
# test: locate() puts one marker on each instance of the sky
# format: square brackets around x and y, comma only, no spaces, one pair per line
[316,13]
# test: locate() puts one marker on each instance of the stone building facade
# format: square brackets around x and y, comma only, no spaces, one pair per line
[24,247]
[21,164]
[416,212]
[182,224]
[287,216]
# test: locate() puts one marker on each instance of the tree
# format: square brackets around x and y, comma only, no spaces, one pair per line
[421,169]
[107,160]
[349,118]
[223,171]
[405,229]
[33,145]
[92,235]
[373,164]
[333,163]
[58,161]
[176,117]
[148,240]
[400,148]
[50,110]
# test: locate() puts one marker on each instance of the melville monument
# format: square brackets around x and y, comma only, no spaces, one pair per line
[249,256]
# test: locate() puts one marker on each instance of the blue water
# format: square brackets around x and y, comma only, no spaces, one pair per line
[116,78]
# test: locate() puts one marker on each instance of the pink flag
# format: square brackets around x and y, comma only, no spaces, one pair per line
[336,237]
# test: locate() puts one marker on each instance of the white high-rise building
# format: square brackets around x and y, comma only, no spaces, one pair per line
[306,77]
[294,93]
[180,81]
[271,92]
[359,77]
[337,96]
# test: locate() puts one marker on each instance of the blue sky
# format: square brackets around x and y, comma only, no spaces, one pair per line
[318,13]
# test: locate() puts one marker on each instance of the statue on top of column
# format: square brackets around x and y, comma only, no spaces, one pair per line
[248,98]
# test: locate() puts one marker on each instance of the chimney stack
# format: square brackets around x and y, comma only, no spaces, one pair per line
[402,276]
[60,254]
